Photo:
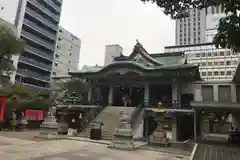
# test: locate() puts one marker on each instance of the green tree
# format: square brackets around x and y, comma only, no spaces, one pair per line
[20,98]
[79,86]
[9,45]
[228,35]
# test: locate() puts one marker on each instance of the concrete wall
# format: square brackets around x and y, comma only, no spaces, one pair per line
[196,89]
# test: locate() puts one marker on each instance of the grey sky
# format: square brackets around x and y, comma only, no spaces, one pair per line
[103,22]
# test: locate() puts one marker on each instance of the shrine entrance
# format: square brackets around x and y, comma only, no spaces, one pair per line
[134,94]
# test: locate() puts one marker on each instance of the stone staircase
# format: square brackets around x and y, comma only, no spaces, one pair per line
[109,116]
[216,152]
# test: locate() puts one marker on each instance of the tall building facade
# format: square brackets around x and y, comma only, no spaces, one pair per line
[214,64]
[112,51]
[37,22]
[192,29]
[67,52]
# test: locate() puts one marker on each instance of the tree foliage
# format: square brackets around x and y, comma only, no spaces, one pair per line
[79,86]
[20,98]
[9,45]
[228,35]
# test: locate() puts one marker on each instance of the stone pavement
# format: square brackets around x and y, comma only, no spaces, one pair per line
[16,149]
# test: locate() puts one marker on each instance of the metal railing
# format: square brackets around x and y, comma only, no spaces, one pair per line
[38,52]
[44,9]
[39,29]
[42,19]
[37,40]
[53,5]
[35,88]
[28,73]
[35,63]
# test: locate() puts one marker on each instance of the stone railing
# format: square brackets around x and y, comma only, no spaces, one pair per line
[135,115]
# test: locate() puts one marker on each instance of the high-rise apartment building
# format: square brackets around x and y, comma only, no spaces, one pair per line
[192,29]
[37,22]
[112,51]
[67,52]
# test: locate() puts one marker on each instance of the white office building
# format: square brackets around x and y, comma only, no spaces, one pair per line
[67,52]
[214,64]
[37,23]
[112,51]
[192,29]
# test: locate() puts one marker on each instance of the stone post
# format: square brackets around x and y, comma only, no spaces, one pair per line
[174,129]
[110,96]
[146,94]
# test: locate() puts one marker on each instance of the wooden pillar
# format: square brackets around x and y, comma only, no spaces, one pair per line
[90,94]
[197,125]
[146,94]
[110,96]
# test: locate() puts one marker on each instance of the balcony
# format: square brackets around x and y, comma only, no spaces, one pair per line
[38,52]
[42,31]
[27,73]
[38,40]
[45,10]
[53,5]
[33,62]
[34,88]
[42,19]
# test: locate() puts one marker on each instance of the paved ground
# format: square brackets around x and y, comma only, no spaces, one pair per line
[17,149]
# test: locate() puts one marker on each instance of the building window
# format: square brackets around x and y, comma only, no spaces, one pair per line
[2,8]
[203,54]
[207,93]
[222,73]
[204,74]
[56,55]
[209,54]
[70,54]
[215,73]
[197,54]
[215,53]
[55,64]
[229,73]
[68,69]
[221,53]
[224,94]
[221,63]
[215,63]
[69,61]
[209,63]
[228,63]
[228,53]
[54,73]
[58,47]
[203,64]
[60,31]
[209,73]
[59,38]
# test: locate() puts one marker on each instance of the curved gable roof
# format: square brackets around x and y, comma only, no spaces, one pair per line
[139,49]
